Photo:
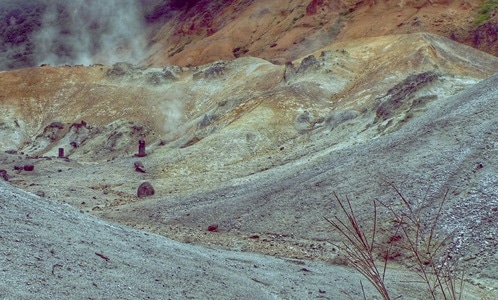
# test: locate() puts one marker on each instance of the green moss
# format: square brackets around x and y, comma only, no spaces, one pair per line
[485,11]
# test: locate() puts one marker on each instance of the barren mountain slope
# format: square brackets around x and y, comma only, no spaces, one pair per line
[196,32]
[281,31]
[258,148]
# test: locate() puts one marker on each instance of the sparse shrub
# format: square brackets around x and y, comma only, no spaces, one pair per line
[485,11]
[412,235]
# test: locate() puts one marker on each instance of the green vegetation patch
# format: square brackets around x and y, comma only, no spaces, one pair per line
[485,11]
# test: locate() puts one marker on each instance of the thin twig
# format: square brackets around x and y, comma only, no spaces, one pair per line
[433,266]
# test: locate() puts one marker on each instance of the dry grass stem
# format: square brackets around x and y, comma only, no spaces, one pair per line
[417,236]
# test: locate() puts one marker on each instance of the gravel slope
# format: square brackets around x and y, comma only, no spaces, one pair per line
[52,251]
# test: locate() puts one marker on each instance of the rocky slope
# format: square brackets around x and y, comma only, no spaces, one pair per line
[50,250]
[204,31]
[246,154]
[155,33]
[258,149]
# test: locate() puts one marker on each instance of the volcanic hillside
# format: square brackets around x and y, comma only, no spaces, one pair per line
[155,33]
[245,150]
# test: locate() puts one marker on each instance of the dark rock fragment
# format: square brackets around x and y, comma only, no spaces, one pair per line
[4,175]
[213,228]
[145,190]
[139,167]
[29,168]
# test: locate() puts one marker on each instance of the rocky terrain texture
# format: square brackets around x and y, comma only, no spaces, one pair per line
[196,32]
[52,251]
[243,156]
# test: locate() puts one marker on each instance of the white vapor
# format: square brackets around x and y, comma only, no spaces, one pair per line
[90,31]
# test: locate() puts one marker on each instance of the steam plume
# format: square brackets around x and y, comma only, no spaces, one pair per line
[90,31]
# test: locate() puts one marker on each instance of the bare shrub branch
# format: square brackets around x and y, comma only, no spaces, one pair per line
[418,238]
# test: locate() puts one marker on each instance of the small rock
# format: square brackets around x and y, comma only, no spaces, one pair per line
[145,190]
[139,167]
[4,175]
[29,168]
[213,228]
[40,194]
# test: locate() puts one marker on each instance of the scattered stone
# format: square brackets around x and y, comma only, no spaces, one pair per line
[139,167]
[213,228]
[4,175]
[141,148]
[29,168]
[40,194]
[239,51]
[11,151]
[145,190]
